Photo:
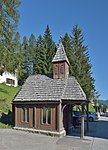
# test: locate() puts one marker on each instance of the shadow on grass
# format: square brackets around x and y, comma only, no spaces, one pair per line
[7,119]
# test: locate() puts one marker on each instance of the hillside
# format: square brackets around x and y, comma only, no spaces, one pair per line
[104,102]
[7,93]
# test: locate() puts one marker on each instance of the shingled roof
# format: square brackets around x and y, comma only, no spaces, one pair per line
[45,88]
[60,54]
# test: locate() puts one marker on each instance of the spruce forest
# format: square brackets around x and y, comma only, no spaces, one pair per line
[34,55]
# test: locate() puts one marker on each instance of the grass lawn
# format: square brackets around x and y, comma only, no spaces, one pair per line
[7,94]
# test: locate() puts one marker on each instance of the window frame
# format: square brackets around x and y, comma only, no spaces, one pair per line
[48,114]
[25,114]
[62,69]
[56,69]
[10,81]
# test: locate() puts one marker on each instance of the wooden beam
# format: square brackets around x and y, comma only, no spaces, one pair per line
[87,116]
[59,117]
[82,123]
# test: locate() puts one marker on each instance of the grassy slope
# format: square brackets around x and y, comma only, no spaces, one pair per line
[7,93]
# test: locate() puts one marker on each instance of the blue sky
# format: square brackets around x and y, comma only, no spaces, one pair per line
[61,15]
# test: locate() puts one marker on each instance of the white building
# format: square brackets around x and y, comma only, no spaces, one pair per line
[9,79]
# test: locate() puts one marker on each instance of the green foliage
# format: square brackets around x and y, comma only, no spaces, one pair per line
[50,47]
[78,56]
[5,106]
[2,125]
[91,108]
[41,65]
[36,56]
[8,92]
[32,54]
[8,21]
[23,68]
[69,52]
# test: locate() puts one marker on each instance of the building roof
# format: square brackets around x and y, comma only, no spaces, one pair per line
[45,88]
[60,54]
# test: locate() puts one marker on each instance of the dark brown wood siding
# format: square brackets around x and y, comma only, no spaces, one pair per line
[60,70]
[35,116]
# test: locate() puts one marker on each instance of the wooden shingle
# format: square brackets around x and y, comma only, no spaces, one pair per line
[45,88]
[60,54]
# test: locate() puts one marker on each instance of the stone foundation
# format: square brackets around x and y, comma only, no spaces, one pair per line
[45,132]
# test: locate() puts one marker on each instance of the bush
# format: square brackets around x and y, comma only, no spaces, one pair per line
[2,125]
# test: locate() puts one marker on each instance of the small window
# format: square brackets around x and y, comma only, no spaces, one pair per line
[10,81]
[25,115]
[62,69]
[46,115]
[56,69]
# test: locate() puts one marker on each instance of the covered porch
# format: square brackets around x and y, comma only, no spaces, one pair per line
[67,109]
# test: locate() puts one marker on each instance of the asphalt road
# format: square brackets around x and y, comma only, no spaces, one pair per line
[100,136]
[95,139]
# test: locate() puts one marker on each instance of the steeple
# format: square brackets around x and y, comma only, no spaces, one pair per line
[60,54]
[60,63]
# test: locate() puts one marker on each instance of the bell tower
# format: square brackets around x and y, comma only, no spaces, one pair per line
[60,63]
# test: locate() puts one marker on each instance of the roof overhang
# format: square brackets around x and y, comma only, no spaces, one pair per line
[34,102]
[74,101]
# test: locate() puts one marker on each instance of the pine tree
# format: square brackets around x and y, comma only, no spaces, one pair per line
[82,66]
[16,50]
[23,68]
[69,52]
[50,48]
[78,56]
[41,62]
[17,43]
[8,21]
[32,53]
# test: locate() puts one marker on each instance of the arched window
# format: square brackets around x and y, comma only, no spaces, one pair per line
[46,115]
[62,69]
[25,114]
[56,69]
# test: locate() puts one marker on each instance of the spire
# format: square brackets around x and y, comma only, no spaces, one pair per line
[60,54]
[60,63]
